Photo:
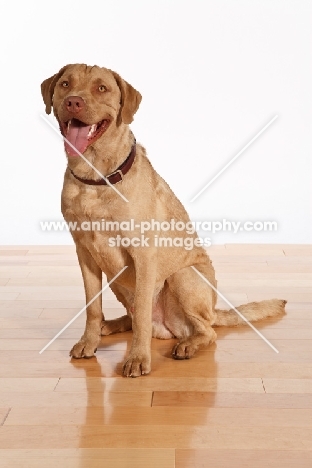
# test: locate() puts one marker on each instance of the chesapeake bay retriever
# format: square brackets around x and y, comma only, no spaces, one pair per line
[163,295]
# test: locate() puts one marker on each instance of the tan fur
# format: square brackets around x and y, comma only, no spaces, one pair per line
[163,296]
[253,312]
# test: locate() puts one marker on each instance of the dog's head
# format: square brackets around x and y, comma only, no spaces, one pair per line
[88,101]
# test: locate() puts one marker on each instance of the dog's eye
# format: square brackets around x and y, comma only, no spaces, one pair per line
[102,89]
[65,84]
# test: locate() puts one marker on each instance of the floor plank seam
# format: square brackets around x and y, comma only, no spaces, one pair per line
[58,381]
[42,310]
[263,385]
[152,399]
[6,417]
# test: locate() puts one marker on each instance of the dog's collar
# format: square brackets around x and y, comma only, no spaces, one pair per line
[114,177]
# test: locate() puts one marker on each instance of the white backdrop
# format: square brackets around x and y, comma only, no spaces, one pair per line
[212,74]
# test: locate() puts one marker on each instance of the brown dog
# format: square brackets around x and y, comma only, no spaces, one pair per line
[163,295]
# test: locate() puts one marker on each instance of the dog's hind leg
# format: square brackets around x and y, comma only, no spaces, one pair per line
[196,300]
[120,324]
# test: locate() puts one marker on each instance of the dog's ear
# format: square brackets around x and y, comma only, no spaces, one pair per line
[47,88]
[130,100]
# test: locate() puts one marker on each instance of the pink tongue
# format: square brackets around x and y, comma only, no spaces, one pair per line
[77,135]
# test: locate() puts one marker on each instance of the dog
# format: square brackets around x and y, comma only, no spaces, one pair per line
[109,177]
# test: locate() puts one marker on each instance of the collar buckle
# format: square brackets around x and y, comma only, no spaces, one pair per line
[118,171]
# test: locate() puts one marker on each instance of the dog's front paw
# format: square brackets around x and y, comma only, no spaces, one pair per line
[85,348]
[136,365]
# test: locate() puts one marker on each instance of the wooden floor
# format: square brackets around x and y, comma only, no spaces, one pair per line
[236,404]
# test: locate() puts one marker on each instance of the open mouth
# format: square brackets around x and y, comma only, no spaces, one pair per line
[80,135]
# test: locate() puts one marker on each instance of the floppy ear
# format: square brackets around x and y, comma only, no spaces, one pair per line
[130,100]
[47,88]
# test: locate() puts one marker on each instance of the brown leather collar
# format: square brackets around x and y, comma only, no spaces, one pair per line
[116,176]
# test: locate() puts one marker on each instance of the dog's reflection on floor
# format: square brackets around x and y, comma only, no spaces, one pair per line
[109,394]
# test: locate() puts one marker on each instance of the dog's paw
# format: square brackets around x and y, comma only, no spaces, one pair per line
[117,325]
[184,350]
[84,349]
[136,365]
[106,328]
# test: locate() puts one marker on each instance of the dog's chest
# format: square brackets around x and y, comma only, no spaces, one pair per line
[84,204]
[87,215]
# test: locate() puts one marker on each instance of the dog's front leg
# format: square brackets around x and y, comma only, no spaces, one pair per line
[92,278]
[138,362]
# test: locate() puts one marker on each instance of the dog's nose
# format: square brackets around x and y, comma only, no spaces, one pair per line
[74,104]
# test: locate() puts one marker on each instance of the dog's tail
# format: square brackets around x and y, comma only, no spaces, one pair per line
[252,312]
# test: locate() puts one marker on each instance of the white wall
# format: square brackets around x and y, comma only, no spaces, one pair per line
[212,74]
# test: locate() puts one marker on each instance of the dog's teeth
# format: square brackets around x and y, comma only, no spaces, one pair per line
[92,130]
[68,124]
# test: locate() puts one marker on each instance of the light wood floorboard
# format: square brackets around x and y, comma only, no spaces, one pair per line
[237,403]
